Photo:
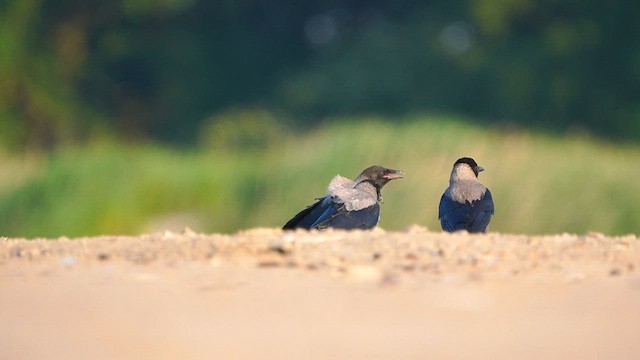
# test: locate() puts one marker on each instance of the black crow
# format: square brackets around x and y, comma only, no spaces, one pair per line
[466,204]
[349,204]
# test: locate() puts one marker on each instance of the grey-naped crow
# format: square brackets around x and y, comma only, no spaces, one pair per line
[349,204]
[466,204]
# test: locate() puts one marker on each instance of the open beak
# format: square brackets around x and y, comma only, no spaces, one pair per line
[479,168]
[393,174]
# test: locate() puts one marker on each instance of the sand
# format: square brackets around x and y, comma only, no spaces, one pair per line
[268,294]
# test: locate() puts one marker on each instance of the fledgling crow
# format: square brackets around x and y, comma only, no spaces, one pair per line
[466,204]
[349,204]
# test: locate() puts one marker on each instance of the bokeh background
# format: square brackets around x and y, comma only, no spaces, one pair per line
[132,116]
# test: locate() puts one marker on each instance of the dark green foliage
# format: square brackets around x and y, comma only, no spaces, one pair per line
[71,69]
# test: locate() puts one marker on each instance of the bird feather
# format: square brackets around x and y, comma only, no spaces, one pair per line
[355,196]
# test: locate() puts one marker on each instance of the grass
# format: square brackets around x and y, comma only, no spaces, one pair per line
[541,183]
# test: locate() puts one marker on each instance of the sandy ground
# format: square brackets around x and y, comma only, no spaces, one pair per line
[265,294]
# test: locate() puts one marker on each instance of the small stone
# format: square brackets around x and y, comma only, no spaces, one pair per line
[103,256]
[188,232]
[408,267]
[416,229]
[279,249]
[288,237]
[436,252]
[411,256]
[574,277]
[16,251]
[269,264]
[615,272]
[68,261]
[595,234]
[388,279]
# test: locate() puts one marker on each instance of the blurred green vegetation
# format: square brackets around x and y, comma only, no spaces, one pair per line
[75,70]
[134,115]
[542,183]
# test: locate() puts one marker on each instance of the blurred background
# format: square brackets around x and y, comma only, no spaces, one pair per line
[132,116]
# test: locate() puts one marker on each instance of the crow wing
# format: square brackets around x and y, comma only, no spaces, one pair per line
[345,207]
[307,217]
[483,209]
[338,217]
[471,216]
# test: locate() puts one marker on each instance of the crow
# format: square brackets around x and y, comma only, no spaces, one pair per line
[466,204]
[349,204]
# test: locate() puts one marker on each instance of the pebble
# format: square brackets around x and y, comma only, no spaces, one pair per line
[615,271]
[68,261]
[188,232]
[103,257]
[574,277]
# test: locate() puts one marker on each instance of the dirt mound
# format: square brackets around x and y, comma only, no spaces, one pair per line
[264,293]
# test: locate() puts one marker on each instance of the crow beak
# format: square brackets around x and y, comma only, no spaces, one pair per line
[393,174]
[479,168]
